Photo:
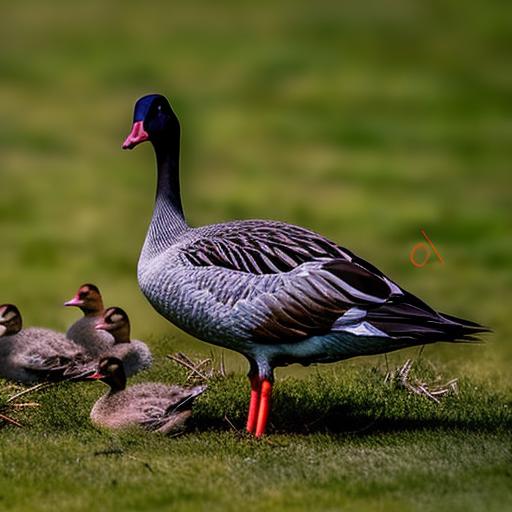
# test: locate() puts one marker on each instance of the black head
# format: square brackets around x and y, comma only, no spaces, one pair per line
[111,372]
[153,120]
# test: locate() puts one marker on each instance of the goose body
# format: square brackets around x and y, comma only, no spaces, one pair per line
[274,292]
[154,406]
[83,332]
[37,354]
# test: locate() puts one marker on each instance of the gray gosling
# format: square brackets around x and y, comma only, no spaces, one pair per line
[134,354]
[95,343]
[35,354]
[155,407]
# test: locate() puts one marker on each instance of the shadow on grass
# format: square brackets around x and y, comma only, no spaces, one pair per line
[358,404]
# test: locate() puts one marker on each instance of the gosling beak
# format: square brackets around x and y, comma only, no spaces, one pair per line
[75,375]
[2,330]
[95,376]
[137,135]
[101,326]
[75,301]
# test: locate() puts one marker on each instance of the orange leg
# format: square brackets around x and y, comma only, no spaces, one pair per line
[254,404]
[264,407]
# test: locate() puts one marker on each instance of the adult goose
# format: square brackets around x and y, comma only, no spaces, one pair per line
[134,354]
[154,406]
[275,292]
[36,354]
[93,341]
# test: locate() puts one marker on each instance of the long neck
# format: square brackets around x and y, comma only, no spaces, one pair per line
[168,182]
[117,382]
[168,221]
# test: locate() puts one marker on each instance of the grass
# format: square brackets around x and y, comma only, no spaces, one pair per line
[366,121]
[340,440]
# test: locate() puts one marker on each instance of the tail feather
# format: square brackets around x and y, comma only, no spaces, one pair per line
[408,319]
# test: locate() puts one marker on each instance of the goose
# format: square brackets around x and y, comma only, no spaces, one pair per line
[134,354]
[154,406]
[94,342]
[35,354]
[274,292]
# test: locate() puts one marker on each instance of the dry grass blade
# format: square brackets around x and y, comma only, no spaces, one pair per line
[187,363]
[10,405]
[10,420]
[402,377]
[37,387]
[26,404]
[199,371]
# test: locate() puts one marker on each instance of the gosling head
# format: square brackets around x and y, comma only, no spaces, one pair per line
[88,299]
[116,322]
[111,372]
[153,120]
[10,320]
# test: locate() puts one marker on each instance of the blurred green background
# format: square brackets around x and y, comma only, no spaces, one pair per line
[366,121]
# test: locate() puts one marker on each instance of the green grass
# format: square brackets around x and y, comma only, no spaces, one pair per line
[340,441]
[366,121]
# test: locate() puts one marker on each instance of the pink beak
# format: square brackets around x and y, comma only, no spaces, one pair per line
[75,301]
[101,326]
[137,135]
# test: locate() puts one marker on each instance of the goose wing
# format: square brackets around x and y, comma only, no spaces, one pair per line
[261,247]
[52,367]
[315,298]
[286,283]
[302,282]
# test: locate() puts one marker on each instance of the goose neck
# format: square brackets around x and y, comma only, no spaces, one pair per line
[168,184]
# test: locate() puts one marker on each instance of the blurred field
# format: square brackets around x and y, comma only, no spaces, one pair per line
[366,121]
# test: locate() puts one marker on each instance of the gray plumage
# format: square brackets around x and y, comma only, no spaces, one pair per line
[35,354]
[93,342]
[134,354]
[83,332]
[154,406]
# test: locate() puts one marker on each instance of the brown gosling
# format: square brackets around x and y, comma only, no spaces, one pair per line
[95,343]
[134,354]
[153,406]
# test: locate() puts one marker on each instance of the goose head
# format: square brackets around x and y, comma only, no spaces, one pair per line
[111,372]
[153,120]
[10,320]
[88,299]
[116,322]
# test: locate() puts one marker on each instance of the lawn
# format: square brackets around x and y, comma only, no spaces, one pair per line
[366,121]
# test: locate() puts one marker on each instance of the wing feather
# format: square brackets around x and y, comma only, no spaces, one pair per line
[309,281]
